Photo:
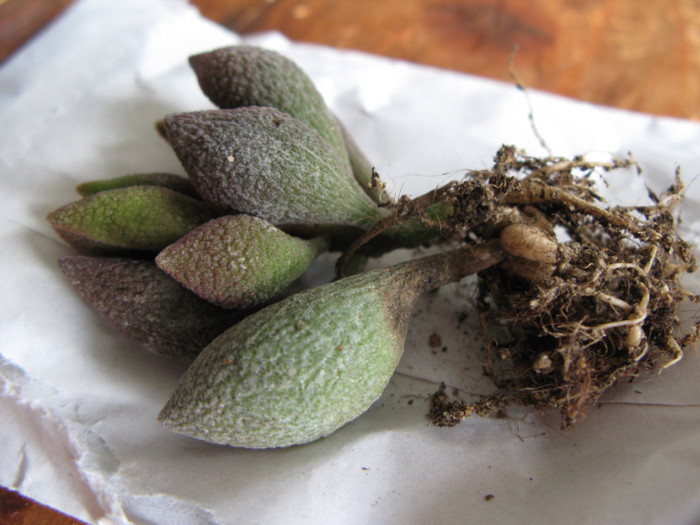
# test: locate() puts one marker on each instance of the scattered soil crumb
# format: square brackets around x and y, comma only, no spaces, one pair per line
[448,413]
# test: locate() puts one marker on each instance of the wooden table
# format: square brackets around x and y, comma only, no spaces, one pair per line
[643,56]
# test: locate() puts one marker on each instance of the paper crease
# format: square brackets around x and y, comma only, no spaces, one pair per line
[47,435]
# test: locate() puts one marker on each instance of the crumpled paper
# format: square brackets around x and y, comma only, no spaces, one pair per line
[78,403]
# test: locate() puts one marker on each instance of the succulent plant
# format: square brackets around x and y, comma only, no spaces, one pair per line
[238,261]
[145,305]
[126,220]
[286,172]
[265,163]
[302,367]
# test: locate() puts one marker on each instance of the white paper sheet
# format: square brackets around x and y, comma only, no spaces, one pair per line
[78,403]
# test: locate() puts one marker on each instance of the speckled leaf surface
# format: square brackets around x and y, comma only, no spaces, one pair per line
[239,76]
[263,162]
[294,371]
[145,305]
[238,261]
[137,218]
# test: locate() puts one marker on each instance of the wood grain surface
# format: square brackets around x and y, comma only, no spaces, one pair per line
[633,54]
[642,55]
[20,20]
[16,509]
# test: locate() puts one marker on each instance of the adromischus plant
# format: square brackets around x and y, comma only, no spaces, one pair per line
[302,367]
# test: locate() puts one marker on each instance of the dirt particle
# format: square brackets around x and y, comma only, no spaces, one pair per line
[435,341]
[448,413]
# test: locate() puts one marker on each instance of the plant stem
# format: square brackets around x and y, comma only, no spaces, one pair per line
[452,266]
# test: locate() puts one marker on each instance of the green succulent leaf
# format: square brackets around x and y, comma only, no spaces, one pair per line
[136,218]
[265,163]
[165,180]
[295,371]
[145,305]
[238,261]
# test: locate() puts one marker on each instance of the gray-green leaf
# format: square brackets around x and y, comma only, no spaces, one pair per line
[296,370]
[265,163]
[145,305]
